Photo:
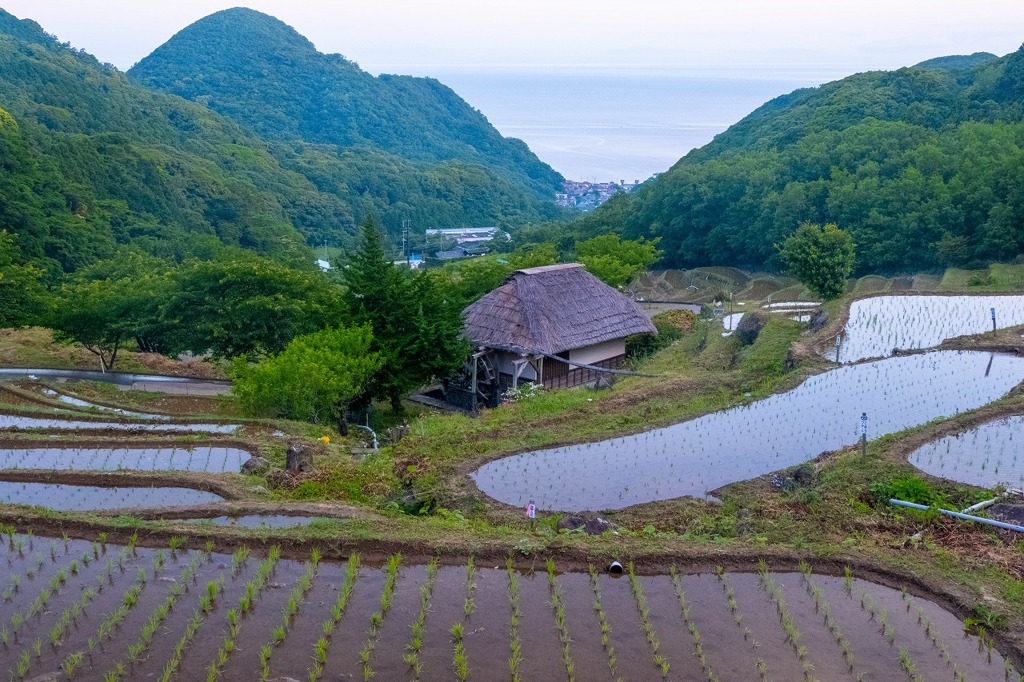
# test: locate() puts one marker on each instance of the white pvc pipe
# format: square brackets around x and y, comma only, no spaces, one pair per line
[958,515]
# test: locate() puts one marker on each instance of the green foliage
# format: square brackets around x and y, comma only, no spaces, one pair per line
[671,326]
[616,261]
[313,379]
[91,160]
[918,164]
[821,257]
[416,322]
[23,298]
[909,489]
[247,306]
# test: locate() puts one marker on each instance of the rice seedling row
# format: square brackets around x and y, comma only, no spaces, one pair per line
[602,619]
[322,645]
[520,625]
[291,609]
[377,618]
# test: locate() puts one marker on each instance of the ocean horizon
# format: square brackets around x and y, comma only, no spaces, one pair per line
[619,124]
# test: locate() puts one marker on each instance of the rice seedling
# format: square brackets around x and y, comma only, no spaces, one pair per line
[645,620]
[606,628]
[253,589]
[459,663]
[677,585]
[291,607]
[516,659]
[412,655]
[558,606]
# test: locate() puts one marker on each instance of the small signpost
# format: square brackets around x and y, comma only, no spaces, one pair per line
[531,513]
[864,435]
[993,321]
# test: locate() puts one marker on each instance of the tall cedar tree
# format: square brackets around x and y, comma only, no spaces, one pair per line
[416,324]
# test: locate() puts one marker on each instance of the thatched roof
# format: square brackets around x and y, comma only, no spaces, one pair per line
[552,309]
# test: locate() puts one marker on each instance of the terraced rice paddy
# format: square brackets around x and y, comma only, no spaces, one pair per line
[698,456]
[206,458]
[8,421]
[95,611]
[986,456]
[64,497]
[878,325]
[78,402]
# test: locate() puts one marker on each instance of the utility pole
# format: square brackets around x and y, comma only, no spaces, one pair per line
[406,248]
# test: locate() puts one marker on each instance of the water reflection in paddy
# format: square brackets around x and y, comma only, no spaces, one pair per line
[212,459]
[880,324]
[700,455]
[985,456]
[8,421]
[64,497]
[260,521]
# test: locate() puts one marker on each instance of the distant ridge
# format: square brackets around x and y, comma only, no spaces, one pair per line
[264,74]
[923,165]
[957,61]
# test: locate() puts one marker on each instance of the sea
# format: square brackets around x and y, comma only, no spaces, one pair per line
[622,125]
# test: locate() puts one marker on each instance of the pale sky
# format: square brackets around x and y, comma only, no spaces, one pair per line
[428,37]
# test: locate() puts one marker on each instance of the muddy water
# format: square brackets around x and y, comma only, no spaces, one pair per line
[8,421]
[259,521]
[732,650]
[985,456]
[698,456]
[211,459]
[878,325]
[83,497]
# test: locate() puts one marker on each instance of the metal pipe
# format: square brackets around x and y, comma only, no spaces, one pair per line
[981,505]
[360,426]
[958,515]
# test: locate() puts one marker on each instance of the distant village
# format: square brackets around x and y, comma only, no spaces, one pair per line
[586,196]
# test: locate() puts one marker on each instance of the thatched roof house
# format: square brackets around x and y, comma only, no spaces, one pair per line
[557,325]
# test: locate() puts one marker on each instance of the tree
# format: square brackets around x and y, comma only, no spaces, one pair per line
[616,261]
[821,257]
[313,379]
[416,320]
[96,314]
[23,298]
[248,306]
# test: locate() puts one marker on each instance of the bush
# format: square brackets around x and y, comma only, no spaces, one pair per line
[909,489]
[671,326]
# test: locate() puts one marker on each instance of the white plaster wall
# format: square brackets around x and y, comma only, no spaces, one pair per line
[601,351]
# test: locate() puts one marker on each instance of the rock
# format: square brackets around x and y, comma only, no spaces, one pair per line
[750,327]
[255,465]
[299,457]
[594,526]
[818,321]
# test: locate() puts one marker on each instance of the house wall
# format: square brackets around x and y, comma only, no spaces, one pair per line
[591,355]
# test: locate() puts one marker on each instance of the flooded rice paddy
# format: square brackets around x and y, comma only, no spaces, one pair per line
[878,325]
[78,402]
[94,608]
[986,456]
[206,458]
[63,497]
[700,455]
[8,421]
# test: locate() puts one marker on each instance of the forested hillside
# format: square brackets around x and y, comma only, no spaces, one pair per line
[262,73]
[924,165]
[92,160]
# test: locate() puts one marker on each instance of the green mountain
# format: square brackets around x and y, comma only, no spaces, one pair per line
[262,73]
[92,160]
[923,165]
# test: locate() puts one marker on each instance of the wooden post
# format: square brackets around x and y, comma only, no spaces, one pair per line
[473,386]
